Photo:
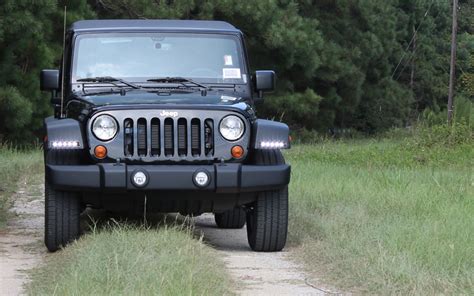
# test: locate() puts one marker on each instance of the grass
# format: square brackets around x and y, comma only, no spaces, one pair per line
[123,259]
[13,165]
[379,216]
[384,217]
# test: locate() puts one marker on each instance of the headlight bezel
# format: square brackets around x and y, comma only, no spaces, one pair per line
[105,139]
[242,132]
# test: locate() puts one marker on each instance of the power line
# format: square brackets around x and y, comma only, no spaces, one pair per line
[412,39]
[410,58]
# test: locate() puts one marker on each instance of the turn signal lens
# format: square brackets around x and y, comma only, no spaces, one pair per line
[100,151]
[237,151]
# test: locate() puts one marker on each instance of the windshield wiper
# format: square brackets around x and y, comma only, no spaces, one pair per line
[181,80]
[109,79]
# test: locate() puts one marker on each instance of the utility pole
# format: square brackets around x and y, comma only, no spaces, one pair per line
[413,63]
[453,61]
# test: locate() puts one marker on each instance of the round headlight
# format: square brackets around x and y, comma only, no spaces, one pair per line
[232,128]
[104,127]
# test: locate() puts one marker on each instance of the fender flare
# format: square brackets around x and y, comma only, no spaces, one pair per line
[63,130]
[269,131]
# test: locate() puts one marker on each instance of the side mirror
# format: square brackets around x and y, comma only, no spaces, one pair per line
[49,80]
[264,81]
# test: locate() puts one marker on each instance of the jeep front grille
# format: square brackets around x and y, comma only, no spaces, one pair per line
[168,137]
[152,135]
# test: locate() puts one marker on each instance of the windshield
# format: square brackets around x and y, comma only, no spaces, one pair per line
[137,57]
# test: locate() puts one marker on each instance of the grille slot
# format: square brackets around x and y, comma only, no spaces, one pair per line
[155,137]
[182,137]
[195,137]
[128,137]
[209,137]
[141,137]
[168,137]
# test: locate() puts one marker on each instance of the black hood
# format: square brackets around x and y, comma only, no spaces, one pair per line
[135,97]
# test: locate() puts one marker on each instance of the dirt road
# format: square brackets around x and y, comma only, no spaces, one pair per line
[21,248]
[21,245]
[256,273]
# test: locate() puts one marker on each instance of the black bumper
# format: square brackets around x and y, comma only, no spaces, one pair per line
[225,178]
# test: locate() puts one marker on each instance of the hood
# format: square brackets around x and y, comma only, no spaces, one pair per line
[217,97]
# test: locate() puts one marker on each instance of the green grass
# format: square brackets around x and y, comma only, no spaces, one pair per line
[383,216]
[133,260]
[14,164]
[368,216]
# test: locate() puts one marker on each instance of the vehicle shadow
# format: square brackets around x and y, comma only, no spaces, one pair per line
[201,227]
[93,219]
[220,239]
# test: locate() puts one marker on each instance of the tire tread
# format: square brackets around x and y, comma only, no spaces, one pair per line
[267,222]
[62,208]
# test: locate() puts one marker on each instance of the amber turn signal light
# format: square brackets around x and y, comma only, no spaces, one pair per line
[100,151]
[237,151]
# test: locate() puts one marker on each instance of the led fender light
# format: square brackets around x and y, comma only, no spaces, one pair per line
[231,128]
[65,144]
[272,144]
[104,127]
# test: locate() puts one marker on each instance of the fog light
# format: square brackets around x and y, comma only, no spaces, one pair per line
[201,178]
[139,178]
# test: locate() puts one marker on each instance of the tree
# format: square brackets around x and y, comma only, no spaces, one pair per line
[345,63]
[30,40]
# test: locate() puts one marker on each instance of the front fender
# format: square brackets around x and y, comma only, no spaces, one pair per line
[63,130]
[268,134]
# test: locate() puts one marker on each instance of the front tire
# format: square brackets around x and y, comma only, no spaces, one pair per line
[267,217]
[62,208]
[231,219]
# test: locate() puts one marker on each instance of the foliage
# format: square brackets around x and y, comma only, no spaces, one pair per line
[15,111]
[463,113]
[340,64]
[444,135]
[296,109]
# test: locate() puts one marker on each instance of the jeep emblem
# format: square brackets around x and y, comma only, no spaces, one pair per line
[168,113]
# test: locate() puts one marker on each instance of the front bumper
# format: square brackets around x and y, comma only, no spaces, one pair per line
[225,178]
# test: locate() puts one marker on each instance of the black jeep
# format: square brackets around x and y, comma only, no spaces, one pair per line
[158,116]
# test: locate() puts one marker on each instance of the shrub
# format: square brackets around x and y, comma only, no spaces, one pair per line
[458,133]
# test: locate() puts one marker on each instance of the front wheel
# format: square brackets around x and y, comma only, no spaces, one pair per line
[62,214]
[267,217]
[62,208]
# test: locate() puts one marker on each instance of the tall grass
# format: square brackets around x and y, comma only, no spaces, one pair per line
[14,164]
[385,216]
[133,260]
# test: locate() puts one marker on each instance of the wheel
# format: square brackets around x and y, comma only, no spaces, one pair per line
[267,217]
[62,208]
[234,218]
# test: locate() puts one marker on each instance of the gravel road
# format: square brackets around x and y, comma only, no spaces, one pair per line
[21,242]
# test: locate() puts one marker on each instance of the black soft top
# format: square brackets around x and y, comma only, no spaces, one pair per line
[151,25]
